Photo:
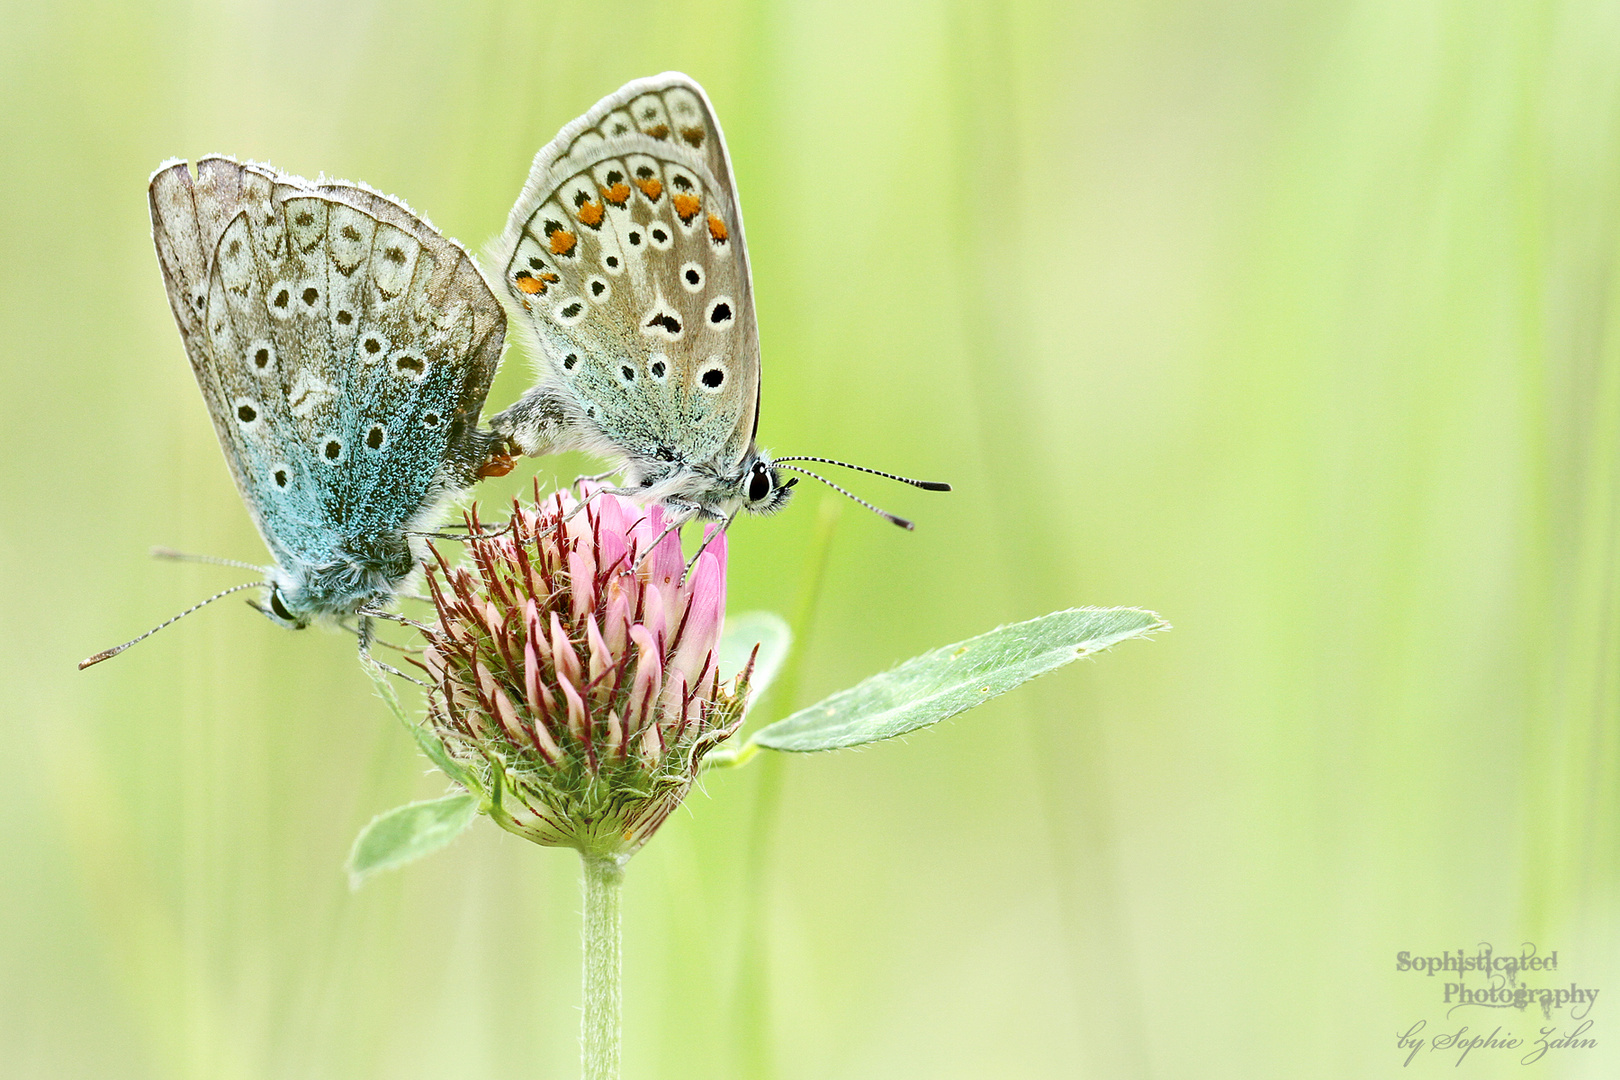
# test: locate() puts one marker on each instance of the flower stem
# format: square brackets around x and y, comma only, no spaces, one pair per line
[599,1024]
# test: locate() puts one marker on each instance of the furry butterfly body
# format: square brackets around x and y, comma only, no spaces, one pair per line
[625,264]
[344,348]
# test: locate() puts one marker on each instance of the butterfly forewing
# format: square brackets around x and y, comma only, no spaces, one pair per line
[344,349]
[625,256]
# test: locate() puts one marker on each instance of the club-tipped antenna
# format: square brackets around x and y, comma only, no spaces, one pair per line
[180,556]
[926,485]
[878,510]
[108,654]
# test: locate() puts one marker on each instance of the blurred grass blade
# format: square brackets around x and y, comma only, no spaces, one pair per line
[771,633]
[398,836]
[929,688]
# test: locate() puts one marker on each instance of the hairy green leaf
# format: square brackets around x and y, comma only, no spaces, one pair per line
[929,688]
[409,832]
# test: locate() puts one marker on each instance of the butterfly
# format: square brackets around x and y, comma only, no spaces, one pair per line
[625,266]
[344,348]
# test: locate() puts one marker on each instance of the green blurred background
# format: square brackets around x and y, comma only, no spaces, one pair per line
[1296,322]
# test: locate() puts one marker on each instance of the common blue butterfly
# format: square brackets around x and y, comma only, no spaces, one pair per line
[344,348]
[625,264]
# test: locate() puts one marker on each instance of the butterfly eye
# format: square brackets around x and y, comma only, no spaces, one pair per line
[759,484]
[279,608]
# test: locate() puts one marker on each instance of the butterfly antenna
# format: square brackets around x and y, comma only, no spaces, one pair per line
[108,654]
[878,510]
[926,485]
[180,556]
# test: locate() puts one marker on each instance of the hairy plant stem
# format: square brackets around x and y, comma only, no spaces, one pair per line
[599,1023]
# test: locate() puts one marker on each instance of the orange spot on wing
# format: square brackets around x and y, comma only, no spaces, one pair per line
[617,194]
[717,230]
[533,285]
[651,187]
[658,131]
[591,214]
[693,135]
[687,207]
[562,242]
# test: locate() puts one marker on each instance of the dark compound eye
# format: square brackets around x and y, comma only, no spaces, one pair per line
[759,485]
[278,607]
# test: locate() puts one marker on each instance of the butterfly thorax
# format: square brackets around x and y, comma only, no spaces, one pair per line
[364,571]
[708,490]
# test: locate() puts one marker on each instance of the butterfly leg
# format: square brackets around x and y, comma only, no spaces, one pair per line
[677,520]
[468,535]
[364,631]
[541,422]
[625,493]
[707,540]
[597,479]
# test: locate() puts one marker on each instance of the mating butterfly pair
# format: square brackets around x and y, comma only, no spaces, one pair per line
[345,347]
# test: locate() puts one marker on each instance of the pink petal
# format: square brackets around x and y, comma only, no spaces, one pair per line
[582,581]
[649,678]
[576,710]
[618,516]
[654,616]
[563,656]
[667,564]
[536,636]
[601,659]
[616,623]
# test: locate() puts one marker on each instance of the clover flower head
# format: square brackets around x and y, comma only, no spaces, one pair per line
[573,669]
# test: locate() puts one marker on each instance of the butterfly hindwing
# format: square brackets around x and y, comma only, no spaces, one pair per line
[344,349]
[625,258]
